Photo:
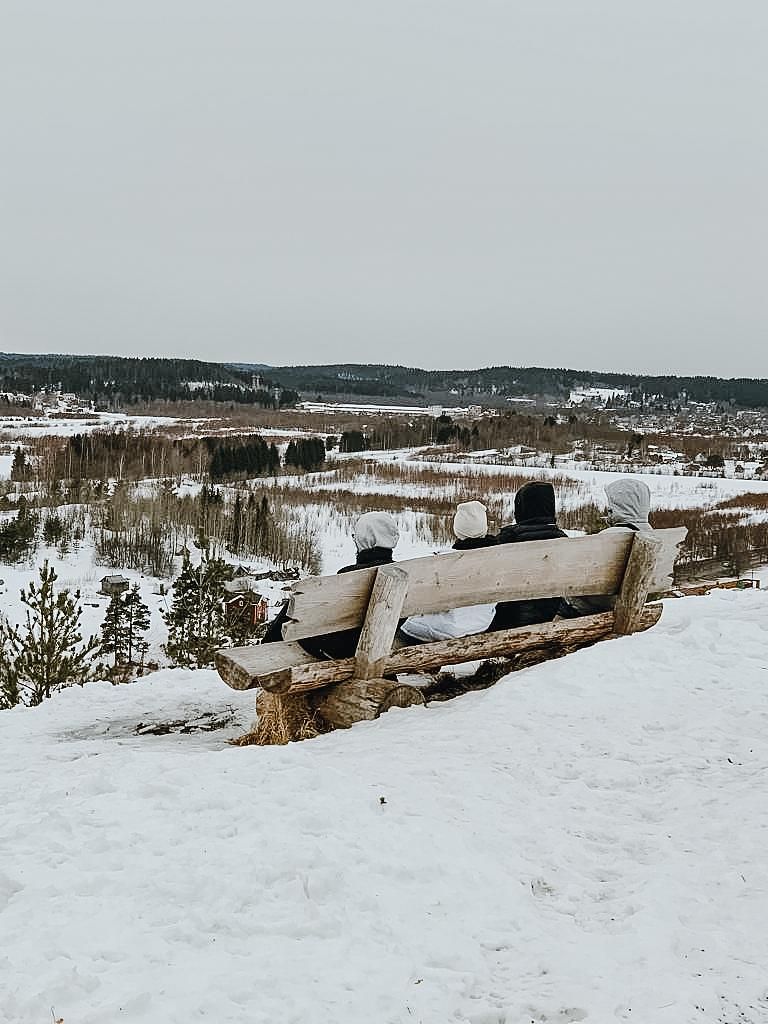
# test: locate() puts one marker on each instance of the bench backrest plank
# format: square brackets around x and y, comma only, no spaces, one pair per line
[509,572]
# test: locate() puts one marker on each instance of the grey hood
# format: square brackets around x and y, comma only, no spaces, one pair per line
[629,502]
[375,530]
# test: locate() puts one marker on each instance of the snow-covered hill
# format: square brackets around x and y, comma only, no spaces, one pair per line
[586,841]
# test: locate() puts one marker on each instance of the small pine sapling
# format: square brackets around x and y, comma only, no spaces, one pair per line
[47,650]
[114,639]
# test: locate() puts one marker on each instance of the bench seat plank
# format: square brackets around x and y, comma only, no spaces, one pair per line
[289,669]
[241,667]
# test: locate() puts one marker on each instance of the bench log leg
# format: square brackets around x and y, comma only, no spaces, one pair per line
[362,700]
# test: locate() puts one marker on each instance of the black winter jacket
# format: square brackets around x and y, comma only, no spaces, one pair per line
[332,645]
[371,556]
[474,542]
[510,614]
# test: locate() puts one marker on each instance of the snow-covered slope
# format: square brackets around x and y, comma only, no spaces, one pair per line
[586,841]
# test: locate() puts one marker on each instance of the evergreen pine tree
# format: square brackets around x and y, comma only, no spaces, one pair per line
[196,626]
[18,536]
[47,651]
[10,694]
[136,624]
[19,465]
[113,631]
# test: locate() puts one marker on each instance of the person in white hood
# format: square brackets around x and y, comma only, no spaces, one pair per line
[375,535]
[470,527]
[629,505]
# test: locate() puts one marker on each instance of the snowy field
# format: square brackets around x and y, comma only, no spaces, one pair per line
[667,490]
[585,841]
[65,426]
[12,427]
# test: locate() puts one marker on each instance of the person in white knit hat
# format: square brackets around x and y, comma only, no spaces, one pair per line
[470,525]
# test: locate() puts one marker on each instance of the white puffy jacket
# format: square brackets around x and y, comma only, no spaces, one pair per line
[449,625]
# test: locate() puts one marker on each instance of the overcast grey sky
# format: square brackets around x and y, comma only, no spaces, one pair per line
[431,182]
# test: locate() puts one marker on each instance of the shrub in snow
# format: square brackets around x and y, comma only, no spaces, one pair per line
[47,651]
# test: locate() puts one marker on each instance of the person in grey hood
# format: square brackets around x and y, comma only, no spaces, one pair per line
[375,535]
[629,505]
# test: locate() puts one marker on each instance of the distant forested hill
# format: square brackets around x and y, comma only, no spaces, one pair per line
[374,379]
[109,379]
[113,379]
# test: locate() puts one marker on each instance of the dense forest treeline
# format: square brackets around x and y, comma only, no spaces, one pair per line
[134,455]
[110,381]
[387,381]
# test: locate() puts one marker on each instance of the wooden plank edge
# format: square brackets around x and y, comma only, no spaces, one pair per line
[423,657]
[239,678]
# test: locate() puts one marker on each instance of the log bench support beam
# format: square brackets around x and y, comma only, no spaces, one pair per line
[362,700]
[381,619]
[638,579]
[243,668]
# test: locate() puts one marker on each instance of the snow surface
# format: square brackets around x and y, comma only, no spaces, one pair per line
[667,490]
[39,425]
[585,841]
[78,571]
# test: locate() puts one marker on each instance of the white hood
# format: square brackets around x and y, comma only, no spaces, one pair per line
[375,530]
[629,503]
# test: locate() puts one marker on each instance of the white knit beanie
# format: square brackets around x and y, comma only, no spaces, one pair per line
[375,530]
[471,520]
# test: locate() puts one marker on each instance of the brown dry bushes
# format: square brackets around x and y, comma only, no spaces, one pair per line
[282,718]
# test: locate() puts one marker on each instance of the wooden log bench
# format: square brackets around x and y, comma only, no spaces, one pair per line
[627,566]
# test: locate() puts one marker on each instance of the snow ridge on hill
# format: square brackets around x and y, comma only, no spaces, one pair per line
[585,841]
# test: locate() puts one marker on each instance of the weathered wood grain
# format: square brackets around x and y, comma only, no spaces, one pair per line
[510,572]
[245,664]
[380,625]
[236,665]
[638,577]
[361,700]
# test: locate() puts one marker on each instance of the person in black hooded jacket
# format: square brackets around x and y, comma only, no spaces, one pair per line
[534,520]
[375,536]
